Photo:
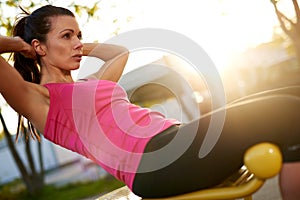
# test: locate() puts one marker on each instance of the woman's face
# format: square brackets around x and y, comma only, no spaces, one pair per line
[63,49]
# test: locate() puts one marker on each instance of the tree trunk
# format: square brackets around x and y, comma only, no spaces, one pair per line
[36,179]
[290,27]
[41,163]
[14,152]
[33,181]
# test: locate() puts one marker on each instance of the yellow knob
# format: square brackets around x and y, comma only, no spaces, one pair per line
[264,160]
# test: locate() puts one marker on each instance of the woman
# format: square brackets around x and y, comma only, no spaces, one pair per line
[94,117]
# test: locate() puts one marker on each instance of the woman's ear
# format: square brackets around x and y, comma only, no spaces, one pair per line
[38,47]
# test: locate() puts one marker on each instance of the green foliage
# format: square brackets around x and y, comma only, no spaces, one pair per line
[11,190]
[90,11]
[69,192]
[274,1]
[7,19]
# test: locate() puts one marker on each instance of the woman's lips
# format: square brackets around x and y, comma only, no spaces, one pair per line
[77,57]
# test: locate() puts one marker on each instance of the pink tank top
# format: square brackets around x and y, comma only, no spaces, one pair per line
[96,119]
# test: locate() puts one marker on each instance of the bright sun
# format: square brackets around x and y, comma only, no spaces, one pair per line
[223,28]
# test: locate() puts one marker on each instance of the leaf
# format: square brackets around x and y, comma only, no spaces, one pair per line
[11,3]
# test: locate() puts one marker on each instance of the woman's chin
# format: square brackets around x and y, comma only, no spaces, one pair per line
[75,67]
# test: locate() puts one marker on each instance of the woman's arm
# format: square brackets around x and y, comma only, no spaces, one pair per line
[9,77]
[16,44]
[114,56]
[26,98]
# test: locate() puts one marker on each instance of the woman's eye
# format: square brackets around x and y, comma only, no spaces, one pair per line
[79,36]
[67,36]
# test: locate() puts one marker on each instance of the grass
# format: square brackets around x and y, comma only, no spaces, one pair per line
[75,191]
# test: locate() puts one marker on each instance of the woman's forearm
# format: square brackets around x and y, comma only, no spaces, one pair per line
[114,56]
[103,51]
[9,77]
[10,44]
[16,44]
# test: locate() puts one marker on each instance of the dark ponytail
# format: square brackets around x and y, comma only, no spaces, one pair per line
[33,26]
[28,68]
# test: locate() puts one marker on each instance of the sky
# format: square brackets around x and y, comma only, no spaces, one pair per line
[223,28]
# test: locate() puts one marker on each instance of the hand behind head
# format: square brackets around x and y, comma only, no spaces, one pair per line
[27,50]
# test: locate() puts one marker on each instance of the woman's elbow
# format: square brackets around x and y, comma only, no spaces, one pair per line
[124,52]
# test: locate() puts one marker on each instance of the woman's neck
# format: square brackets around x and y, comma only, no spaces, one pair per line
[56,80]
[55,76]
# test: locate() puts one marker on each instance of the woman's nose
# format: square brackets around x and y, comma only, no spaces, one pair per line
[78,44]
